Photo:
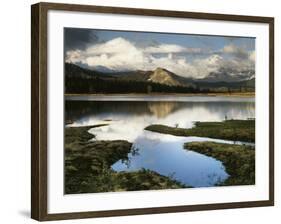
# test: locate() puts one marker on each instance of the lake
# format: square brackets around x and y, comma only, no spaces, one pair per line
[127,116]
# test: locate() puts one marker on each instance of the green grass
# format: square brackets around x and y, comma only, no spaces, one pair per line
[88,166]
[110,181]
[236,130]
[239,160]
[79,134]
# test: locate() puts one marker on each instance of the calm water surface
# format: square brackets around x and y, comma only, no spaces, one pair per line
[128,116]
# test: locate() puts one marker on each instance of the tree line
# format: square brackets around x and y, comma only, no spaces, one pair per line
[98,85]
[94,85]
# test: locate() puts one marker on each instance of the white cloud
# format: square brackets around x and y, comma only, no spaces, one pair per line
[170,48]
[230,49]
[75,56]
[252,56]
[114,46]
[120,54]
[236,51]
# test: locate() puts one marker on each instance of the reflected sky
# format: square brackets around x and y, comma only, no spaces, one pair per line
[161,153]
[165,155]
[135,115]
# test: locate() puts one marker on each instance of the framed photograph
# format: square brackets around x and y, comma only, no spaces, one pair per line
[139,111]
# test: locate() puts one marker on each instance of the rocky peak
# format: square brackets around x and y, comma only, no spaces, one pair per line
[163,76]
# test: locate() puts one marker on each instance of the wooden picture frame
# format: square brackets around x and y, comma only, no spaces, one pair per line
[39,108]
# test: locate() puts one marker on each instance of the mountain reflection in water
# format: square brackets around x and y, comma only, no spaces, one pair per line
[158,152]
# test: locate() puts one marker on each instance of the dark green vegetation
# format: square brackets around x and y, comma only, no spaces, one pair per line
[236,130]
[88,163]
[87,166]
[239,160]
[84,81]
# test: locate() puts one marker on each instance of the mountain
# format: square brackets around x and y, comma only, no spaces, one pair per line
[83,80]
[159,75]
[248,84]
[75,71]
[138,75]
[72,71]
[224,75]
[166,77]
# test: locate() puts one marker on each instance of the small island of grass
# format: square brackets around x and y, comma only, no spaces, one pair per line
[239,160]
[235,130]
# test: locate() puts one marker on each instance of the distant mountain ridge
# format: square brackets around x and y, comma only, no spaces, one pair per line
[161,78]
[229,76]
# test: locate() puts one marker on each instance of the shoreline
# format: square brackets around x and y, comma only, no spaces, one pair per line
[233,130]
[241,172]
[246,94]
[97,157]
[88,166]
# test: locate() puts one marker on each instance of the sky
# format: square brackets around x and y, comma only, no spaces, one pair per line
[187,55]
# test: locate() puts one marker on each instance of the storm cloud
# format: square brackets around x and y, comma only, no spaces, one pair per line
[78,39]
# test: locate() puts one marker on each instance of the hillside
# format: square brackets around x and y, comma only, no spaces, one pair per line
[223,75]
[163,76]
[160,80]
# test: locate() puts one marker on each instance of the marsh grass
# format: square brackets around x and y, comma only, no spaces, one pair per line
[88,163]
[235,130]
[88,166]
[239,160]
